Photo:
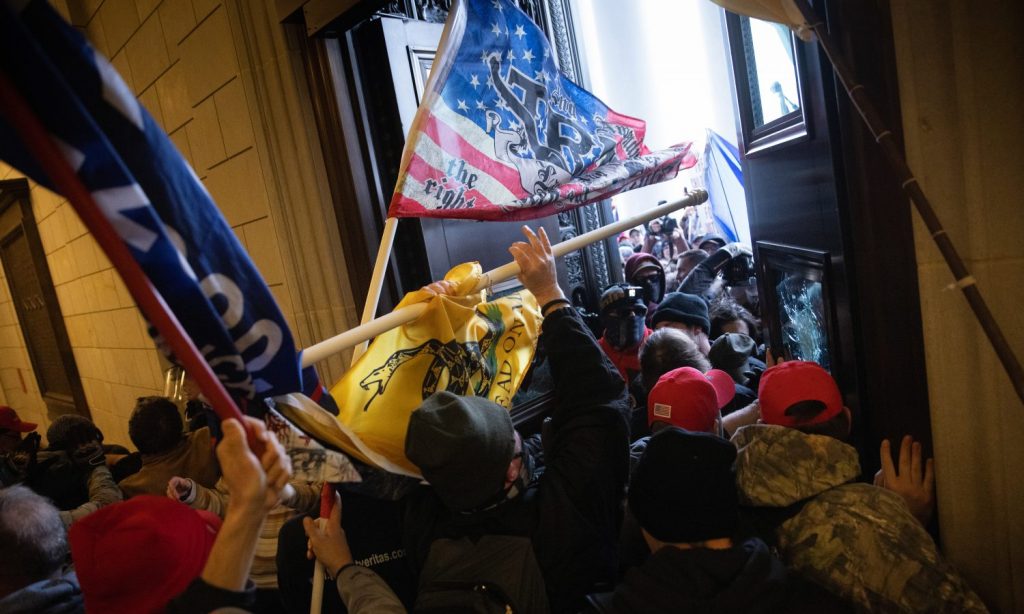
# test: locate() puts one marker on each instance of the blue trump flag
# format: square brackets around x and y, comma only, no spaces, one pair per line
[157,205]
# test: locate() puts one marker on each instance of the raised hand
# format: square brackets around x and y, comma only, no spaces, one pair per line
[914,481]
[537,265]
[255,485]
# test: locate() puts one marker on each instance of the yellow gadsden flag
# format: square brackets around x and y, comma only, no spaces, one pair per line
[460,344]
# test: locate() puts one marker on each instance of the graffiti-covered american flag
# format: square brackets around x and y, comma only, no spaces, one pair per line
[501,134]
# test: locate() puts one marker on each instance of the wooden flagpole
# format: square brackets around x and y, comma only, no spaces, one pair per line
[407,314]
[884,138]
[387,240]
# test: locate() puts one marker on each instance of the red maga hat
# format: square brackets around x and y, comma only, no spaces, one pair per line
[689,399]
[795,381]
[137,555]
[9,420]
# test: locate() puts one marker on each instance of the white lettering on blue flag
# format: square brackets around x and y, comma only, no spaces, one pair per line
[155,202]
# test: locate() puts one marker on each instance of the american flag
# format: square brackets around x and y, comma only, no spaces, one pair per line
[157,205]
[501,134]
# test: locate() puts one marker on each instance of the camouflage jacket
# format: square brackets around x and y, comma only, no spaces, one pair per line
[856,540]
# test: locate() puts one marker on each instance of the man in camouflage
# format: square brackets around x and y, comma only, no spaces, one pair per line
[859,541]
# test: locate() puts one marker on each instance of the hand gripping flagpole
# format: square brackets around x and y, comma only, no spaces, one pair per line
[46,152]
[885,140]
[363,332]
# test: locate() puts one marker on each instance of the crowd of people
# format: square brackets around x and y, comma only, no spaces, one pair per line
[682,468]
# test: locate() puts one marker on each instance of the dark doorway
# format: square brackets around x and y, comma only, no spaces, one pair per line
[35,301]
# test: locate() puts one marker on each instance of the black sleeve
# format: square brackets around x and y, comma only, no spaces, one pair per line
[588,440]
[202,597]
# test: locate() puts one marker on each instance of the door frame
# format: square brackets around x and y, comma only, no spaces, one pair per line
[16,216]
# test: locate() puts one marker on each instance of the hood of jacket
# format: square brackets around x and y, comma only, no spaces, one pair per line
[59,595]
[778,466]
[745,578]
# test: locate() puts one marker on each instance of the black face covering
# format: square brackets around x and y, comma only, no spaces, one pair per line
[624,332]
[653,291]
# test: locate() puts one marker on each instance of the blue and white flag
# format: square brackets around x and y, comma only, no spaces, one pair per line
[155,202]
[723,177]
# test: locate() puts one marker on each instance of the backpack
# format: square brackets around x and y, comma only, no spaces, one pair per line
[496,574]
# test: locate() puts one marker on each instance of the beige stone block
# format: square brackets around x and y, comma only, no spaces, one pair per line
[204,136]
[63,303]
[106,331]
[147,53]
[178,21]
[110,370]
[102,262]
[92,297]
[67,296]
[81,12]
[83,255]
[95,34]
[125,331]
[123,398]
[204,7]
[120,62]
[101,396]
[208,54]
[264,250]
[156,372]
[240,235]
[143,340]
[233,112]
[106,291]
[73,223]
[91,332]
[44,202]
[124,298]
[120,21]
[145,8]
[180,139]
[45,229]
[238,188]
[173,93]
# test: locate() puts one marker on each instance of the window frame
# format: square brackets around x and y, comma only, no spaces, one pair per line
[782,131]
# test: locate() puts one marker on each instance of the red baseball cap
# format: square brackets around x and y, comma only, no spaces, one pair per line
[689,399]
[9,420]
[137,555]
[795,381]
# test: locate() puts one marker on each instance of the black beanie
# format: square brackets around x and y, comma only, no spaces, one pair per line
[685,308]
[683,489]
[620,296]
[463,446]
[731,351]
[70,431]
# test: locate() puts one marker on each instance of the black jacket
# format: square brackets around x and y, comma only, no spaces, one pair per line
[745,578]
[571,512]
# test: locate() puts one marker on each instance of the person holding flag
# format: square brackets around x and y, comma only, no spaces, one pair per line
[484,481]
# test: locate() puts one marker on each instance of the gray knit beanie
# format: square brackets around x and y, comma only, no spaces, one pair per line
[463,446]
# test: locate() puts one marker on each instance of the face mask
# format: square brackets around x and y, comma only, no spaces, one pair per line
[652,289]
[525,475]
[624,332]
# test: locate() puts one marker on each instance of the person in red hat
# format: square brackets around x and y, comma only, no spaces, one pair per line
[12,428]
[153,554]
[859,541]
